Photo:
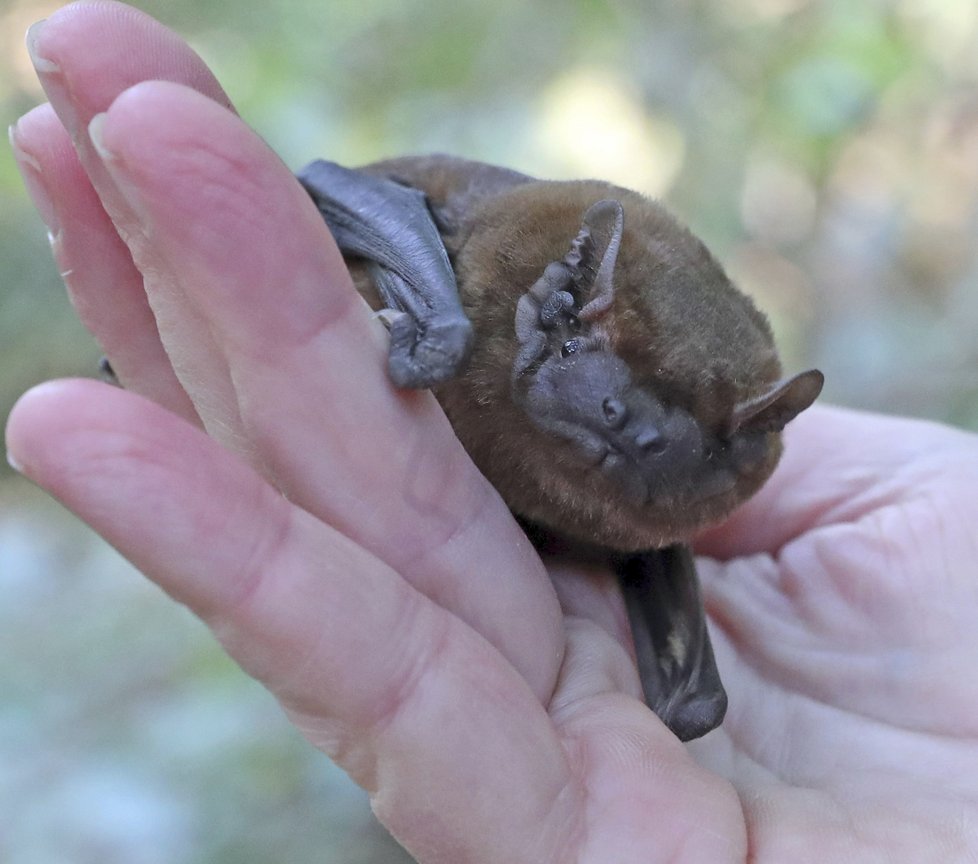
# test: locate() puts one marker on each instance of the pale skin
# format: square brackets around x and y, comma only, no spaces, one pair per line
[262,470]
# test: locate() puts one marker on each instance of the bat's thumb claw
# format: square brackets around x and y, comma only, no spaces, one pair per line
[388,317]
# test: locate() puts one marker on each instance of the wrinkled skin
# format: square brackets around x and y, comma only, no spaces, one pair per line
[388,600]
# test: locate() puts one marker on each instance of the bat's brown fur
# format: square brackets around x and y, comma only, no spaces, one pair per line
[685,331]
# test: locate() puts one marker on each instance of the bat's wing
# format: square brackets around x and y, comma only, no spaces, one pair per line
[455,188]
[675,658]
[389,225]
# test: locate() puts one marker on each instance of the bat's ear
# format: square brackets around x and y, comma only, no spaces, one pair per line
[587,270]
[778,405]
[593,255]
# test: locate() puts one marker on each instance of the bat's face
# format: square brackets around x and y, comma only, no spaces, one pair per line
[649,390]
[648,471]
[649,451]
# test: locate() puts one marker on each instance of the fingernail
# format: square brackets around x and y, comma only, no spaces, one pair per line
[96,132]
[116,168]
[13,463]
[41,64]
[30,170]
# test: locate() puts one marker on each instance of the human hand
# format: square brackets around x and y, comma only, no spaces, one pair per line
[347,554]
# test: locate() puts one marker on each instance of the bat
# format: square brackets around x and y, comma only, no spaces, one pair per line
[596,363]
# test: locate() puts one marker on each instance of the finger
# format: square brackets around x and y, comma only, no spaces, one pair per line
[420,709]
[233,228]
[589,590]
[94,263]
[85,55]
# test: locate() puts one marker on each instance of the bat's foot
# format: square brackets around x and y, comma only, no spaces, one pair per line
[675,659]
[695,716]
[427,354]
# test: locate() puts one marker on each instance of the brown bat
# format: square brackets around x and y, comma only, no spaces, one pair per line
[596,363]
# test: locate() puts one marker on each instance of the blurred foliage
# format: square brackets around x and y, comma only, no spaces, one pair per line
[826,150]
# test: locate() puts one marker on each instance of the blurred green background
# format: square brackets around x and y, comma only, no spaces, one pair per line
[826,150]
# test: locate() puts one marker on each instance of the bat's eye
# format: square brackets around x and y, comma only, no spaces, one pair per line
[570,347]
[574,324]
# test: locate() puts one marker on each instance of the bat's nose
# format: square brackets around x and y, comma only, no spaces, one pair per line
[635,432]
[634,426]
[615,412]
[650,439]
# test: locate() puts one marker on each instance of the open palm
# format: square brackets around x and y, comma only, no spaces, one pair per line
[846,613]
[343,548]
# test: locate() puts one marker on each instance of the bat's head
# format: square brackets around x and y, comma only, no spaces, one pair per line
[651,386]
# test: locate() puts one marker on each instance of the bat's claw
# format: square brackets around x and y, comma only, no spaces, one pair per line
[427,355]
[107,373]
[387,317]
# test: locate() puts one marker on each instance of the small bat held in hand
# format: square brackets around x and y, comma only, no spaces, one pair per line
[596,363]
